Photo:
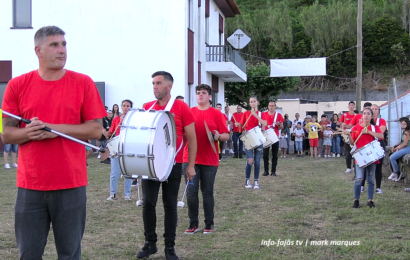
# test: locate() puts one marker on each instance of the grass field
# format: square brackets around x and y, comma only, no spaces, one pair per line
[308,201]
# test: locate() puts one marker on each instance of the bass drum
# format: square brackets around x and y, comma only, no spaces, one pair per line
[147,145]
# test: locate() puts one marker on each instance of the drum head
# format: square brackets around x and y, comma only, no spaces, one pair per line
[164,145]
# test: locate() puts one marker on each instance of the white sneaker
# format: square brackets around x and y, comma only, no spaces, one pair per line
[248,184]
[256,185]
[127,197]
[7,166]
[99,156]
[333,155]
[284,156]
[111,197]
[399,177]
[392,176]
[378,190]
[318,156]
[15,165]
[407,189]
[231,151]
[348,170]
[338,155]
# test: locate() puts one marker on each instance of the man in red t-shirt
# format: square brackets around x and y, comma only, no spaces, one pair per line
[346,123]
[207,161]
[357,119]
[274,120]
[51,173]
[184,123]
[236,132]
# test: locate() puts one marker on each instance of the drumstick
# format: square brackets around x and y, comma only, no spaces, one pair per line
[56,132]
[360,135]
[247,120]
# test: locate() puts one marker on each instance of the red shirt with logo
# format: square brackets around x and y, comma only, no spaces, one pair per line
[215,121]
[346,118]
[182,116]
[270,118]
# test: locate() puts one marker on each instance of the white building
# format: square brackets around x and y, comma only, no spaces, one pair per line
[119,44]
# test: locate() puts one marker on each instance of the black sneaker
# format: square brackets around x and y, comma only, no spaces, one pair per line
[170,253]
[209,229]
[356,204]
[192,229]
[371,204]
[148,249]
[273,174]
[134,182]
[265,174]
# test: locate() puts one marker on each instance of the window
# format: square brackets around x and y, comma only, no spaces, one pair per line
[22,14]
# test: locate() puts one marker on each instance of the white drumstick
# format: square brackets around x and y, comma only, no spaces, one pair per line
[181,203]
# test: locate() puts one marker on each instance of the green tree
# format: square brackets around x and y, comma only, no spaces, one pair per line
[259,84]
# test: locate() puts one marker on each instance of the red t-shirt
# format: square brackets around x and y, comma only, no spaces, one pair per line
[346,118]
[365,138]
[114,124]
[215,121]
[356,119]
[56,163]
[251,123]
[380,122]
[238,118]
[182,116]
[270,119]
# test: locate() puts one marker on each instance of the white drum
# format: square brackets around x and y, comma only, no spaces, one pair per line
[253,138]
[368,154]
[271,137]
[147,144]
[112,146]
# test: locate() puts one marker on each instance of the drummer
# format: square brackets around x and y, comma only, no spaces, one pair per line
[207,160]
[115,161]
[162,82]
[274,120]
[361,135]
[251,119]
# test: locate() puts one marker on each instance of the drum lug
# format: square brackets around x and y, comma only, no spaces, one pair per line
[146,128]
[130,155]
[143,156]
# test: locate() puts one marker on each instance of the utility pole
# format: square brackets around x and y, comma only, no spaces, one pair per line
[359,55]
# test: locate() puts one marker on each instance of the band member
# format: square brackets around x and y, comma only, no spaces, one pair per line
[251,119]
[381,123]
[361,135]
[346,123]
[274,120]
[236,131]
[51,173]
[115,161]
[207,161]
[162,84]
[357,119]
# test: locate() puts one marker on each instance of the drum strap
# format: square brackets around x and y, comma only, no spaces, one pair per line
[171,102]
[274,120]
[377,122]
[374,129]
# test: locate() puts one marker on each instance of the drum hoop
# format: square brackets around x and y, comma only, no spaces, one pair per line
[123,133]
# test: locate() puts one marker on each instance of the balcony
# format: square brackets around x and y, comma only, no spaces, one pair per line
[225,63]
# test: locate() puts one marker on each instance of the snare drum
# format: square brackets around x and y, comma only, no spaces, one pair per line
[253,138]
[112,146]
[368,154]
[147,145]
[271,137]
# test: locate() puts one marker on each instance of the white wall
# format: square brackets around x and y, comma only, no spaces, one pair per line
[118,42]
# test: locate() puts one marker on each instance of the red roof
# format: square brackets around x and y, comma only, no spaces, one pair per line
[392,100]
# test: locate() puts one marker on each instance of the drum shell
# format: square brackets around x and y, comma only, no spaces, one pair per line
[271,137]
[144,148]
[368,154]
[112,146]
[253,138]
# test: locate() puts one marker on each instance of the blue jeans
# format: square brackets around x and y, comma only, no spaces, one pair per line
[104,143]
[370,171]
[336,144]
[256,155]
[35,210]
[397,155]
[12,147]
[115,175]
[205,174]
[235,139]
[170,188]
[299,146]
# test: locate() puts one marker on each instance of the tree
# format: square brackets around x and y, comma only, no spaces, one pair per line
[259,84]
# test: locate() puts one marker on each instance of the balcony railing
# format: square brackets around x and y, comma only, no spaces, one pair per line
[220,53]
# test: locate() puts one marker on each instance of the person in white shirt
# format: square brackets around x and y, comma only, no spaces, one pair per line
[298,133]
[294,125]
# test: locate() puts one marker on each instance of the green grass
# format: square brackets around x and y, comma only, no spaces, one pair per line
[309,200]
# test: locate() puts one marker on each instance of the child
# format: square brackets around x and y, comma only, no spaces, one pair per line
[327,140]
[283,144]
[299,133]
[313,136]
